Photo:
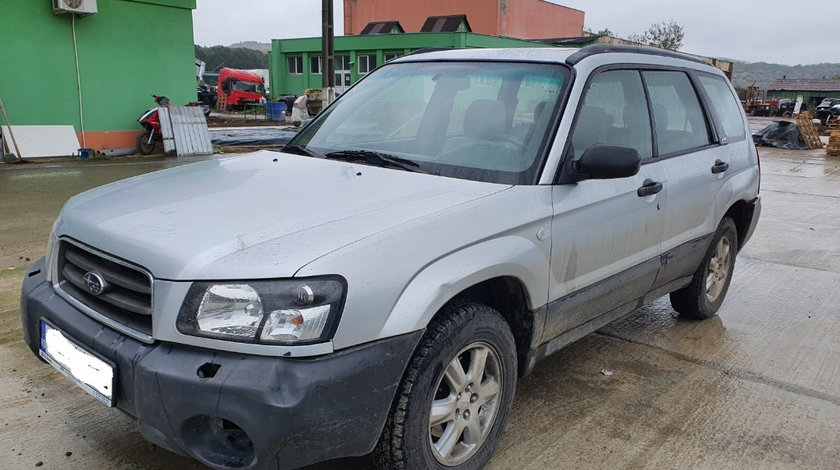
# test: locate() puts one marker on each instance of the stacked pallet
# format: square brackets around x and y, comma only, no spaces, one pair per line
[833,148]
[808,130]
[221,102]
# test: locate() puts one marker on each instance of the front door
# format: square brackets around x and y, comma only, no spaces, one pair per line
[606,233]
[342,73]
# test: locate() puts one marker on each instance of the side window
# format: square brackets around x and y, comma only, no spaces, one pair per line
[614,112]
[677,115]
[727,110]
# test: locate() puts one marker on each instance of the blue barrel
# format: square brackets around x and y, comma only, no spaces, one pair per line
[276,111]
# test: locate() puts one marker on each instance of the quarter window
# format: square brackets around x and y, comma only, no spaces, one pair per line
[677,116]
[724,106]
[614,112]
[295,64]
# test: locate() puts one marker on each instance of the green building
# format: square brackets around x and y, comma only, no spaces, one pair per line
[126,51]
[812,91]
[295,64]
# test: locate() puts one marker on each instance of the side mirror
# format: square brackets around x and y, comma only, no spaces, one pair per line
[607,162]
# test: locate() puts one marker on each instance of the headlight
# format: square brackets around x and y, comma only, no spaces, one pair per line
[290,311]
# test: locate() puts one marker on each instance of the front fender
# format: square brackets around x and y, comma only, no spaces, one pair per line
[440,281]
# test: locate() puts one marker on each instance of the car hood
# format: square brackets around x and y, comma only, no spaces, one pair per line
[260,215]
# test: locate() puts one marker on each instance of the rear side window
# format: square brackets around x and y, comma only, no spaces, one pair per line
[678,118]
[723,104]
[614,112]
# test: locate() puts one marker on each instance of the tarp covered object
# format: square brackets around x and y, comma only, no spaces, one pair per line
[252,136]
[781,134]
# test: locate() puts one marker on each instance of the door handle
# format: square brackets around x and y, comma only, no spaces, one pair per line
[719,167]
[649,187]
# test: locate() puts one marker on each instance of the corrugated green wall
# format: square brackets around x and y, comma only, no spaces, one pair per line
[282,83]
[128,51]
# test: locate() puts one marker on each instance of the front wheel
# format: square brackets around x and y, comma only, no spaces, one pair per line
[703,297]
[145,143]
[453,402]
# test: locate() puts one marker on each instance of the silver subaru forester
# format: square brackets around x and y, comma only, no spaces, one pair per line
[379,285]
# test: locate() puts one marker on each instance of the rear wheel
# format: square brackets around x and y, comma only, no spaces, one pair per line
[703,297]
[145,143]
[453,402]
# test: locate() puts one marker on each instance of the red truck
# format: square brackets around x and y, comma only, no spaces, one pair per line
[240,87]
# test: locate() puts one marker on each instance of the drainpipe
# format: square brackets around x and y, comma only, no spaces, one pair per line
[78,82]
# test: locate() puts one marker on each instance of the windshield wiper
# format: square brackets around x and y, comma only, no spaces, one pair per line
[377,158]
[300,150]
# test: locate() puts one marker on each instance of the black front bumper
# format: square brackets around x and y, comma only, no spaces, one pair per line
[254,411]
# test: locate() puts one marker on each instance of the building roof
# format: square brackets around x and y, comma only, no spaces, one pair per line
[383,27]
[445,24]
[797,84]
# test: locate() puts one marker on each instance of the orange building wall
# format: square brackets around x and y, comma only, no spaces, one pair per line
[526,19]
[539,19]
[483,15]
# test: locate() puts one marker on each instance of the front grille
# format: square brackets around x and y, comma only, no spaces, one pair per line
[125,302]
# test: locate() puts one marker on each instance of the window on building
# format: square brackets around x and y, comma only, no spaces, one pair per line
[391,56]
[315,65]
[677,116]
[295,64]
[366,63]
[342,62]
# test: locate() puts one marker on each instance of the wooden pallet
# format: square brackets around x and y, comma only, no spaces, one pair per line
[832,123]
[808,130]
[833,148]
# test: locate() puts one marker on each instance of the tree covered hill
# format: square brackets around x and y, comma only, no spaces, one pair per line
[763,73]
[217,57]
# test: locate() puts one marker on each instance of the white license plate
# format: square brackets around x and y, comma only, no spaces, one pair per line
[89,372]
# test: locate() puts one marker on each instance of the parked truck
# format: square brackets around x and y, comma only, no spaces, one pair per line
[238,87]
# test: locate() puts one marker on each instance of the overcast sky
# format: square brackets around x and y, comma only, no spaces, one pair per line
[782,31]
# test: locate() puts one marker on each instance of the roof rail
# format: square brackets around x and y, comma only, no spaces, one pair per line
[615,48]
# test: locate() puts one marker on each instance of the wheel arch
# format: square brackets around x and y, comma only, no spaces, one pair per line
[741,213]
[507,295]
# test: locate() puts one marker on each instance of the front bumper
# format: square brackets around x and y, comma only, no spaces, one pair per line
[231,410]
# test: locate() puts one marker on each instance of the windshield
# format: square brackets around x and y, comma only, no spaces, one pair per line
[248,86]
[485,121]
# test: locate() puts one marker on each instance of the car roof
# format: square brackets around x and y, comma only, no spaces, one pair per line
[569,56]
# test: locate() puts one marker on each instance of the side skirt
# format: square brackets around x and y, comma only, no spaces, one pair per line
[569,337]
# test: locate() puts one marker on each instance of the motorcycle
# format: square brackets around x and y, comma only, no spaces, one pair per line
[150,120]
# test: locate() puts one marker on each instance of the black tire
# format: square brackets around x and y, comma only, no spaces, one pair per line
[462,330]
[143,145]
[698,300]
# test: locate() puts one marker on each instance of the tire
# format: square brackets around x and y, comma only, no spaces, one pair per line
[703,297]
[449,354]
[143,145]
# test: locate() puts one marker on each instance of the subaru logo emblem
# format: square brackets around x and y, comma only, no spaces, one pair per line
[94,283]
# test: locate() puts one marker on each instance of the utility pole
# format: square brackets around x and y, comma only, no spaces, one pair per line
[327,54]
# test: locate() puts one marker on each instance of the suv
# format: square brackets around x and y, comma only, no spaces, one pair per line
[379,285]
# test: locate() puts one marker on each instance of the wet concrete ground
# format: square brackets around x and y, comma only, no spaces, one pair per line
[756,387]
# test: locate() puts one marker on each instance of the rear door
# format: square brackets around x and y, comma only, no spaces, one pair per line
[605,236]
[698,158]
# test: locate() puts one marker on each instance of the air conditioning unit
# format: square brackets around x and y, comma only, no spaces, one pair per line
[79,7]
